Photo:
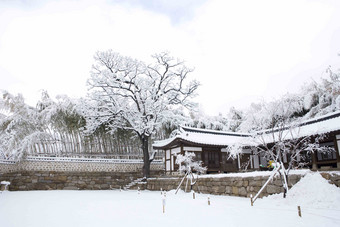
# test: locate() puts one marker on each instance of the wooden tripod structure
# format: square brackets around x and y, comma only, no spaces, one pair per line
[275,171]
[188,175]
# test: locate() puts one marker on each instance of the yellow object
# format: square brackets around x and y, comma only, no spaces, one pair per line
[270,164]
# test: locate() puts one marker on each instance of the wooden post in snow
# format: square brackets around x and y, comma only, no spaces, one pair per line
[299,211]
[163,203]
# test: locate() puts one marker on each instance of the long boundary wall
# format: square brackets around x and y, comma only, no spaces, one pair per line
[76,165]
[52,173]
[49,180]
[85,174]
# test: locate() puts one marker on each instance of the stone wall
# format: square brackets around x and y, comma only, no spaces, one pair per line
[234,186]
[48,180]
[73,173]
[97,176]
[332,177]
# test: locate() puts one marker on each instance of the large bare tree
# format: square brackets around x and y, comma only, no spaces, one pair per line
[129,94]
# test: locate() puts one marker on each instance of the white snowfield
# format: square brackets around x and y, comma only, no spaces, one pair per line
[319,201]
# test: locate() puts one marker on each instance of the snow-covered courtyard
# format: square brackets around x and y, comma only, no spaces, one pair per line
[319,201]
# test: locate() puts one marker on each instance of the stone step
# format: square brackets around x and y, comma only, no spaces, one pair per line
[133,183]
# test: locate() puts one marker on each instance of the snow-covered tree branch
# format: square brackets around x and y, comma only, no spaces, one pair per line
[277,134]
[130,94]
[187,163]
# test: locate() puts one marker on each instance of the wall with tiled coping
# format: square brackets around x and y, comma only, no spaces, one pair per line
[76,165]
[51,173]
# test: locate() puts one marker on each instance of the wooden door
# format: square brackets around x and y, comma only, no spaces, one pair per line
[212,160]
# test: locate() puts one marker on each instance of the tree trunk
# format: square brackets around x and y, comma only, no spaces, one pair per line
[284,180]
[285,189]
[146,157]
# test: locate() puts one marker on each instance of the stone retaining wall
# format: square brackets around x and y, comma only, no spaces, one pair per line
[47,180]
[234,186]
[332,177]
[226,185]
[72,173]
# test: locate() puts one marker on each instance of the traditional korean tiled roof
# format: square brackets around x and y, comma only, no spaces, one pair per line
[316,126]
[203,137]
[320,125]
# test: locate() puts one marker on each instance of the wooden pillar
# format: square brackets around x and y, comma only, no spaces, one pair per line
[337,149]
[314,160]
[220,161]
[203,158]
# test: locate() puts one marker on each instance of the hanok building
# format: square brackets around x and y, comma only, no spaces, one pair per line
[210,146]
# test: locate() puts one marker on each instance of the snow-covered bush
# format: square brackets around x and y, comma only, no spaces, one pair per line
[187,164]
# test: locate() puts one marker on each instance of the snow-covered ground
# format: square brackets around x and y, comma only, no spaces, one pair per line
[320,203]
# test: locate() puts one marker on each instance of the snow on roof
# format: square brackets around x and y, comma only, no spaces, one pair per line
[204,137]
[161,143]
[209,131]
[317,126]
[320,125]
[325,124]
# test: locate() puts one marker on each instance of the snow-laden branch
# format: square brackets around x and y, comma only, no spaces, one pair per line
[187,163]
[129,94]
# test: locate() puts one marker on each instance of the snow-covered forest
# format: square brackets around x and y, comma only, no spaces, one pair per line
[55,128]
[60,126]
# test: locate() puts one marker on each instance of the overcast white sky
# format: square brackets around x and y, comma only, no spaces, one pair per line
[242,51]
